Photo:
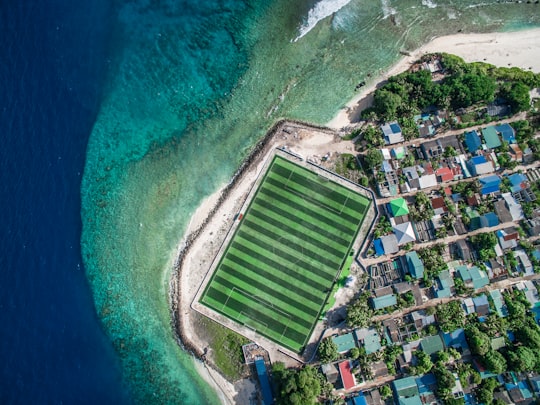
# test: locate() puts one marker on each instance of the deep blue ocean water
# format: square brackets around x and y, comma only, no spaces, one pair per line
[52,62]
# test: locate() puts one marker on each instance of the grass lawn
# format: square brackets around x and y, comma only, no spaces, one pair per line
[281,264]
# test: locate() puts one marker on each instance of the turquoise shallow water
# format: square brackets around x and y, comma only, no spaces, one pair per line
[192,86]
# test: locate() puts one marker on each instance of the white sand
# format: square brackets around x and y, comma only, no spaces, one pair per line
[520,49]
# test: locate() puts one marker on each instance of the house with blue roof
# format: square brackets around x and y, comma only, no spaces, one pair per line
[479,165]
[507,133]
[456,339]
[490,184]
[491,137]
[472,141]
[518,182]
[406,391]
[392,133]
[262,373]
[489,220]
[415,265]
[481,305]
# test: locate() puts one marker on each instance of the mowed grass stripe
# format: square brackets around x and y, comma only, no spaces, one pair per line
[313,181]
[292,311]
[276,330]
[311,294]
[242,302]
[266,222]
[275,290]
[295,259]
[280,270]
[316,210]
[281,339]
[286,243]
[290,209]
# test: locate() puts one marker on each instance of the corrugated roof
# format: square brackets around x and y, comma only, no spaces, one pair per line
[507,132]
[491,137]
[472,140]
[347,376]
[268,398]
[405,387]
[399,207]
[344,342]
[432,344]
[416,267]
[384,301]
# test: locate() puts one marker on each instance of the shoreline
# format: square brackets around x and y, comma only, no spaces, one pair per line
[463,45]
[504,49]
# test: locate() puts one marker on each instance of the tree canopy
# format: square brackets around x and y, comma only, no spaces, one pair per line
[296,387]
[450,316]
[359,313]
[327,350]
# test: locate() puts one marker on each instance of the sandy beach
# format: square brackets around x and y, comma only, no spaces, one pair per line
[510,49]
[520,49]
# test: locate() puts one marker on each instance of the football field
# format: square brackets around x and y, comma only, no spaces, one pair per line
[280,265]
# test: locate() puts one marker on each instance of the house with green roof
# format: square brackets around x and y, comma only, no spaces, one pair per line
[416,267]
[498,303]
[344,342]
[479,277]
[463,273]
[491,137]
[444,285]
[406,391]
[384,302]
[398,207]
[432,344]
[369,338]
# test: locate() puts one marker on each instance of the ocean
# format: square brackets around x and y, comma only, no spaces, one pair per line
[118,117]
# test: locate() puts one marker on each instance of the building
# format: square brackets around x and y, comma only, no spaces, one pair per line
[444,285]
[513,206]
[444,174]
[479,277]
[435,149]
[331,372]
[472,141]
[498,303]
[432,344]
[404,233]
[347,377]
[262,373]
[406,391]
[479,165]
[344,342]
[389,244]
[491,137]
[525,265]
[490,184]
[369,338]
[415,265]
[421,319]
[384,301]
[398,207]
[502,211]
[392,133]
[481,305]
[463,250]
[507,133]
[508,238]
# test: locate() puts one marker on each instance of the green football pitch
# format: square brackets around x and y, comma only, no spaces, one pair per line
[280,265]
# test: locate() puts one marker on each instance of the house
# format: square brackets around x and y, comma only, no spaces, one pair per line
[479,277]
[399,152]
[518,181]
[491,137]
[392,133]
[516,154]
[391,330]
[530,291]
[369,338]
[508,238]
[513,206]
[344,342]
[389,244]
[496,271]
[489,220]
[463,273]
[502,211]
[468,306]
[456,339]
[479,165]
[331,372]
[435,149]
[439,205]
[415,265]
[347,377]
[444,285]
[481,305]
[507,133]
[404,233]
[432,344]
[463,250]
[498,303]
[398,207]
[262,373]
[533,226]
[384,301]
[421,319]
[406,391]
[444,174]
[490,184]
[472,141]
[525,265]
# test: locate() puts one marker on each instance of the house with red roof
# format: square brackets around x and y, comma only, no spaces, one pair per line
[444,174]
[347,377]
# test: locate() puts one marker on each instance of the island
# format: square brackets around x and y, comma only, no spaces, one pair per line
[393,259]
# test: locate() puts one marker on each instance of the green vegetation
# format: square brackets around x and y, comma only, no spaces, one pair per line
[327,350]
[484,244]
[296,387]
[359,313]
[450,316]
[423,363]
[226,348]
[279,268]
[385,392]
[433,260]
